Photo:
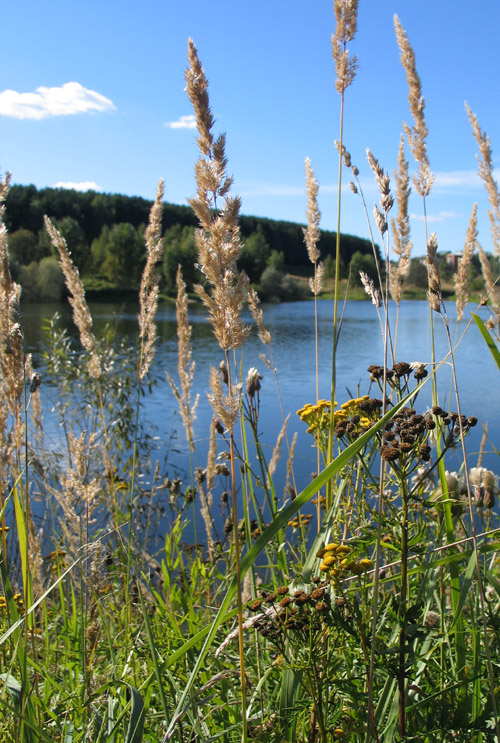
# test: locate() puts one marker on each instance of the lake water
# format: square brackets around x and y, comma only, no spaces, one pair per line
[292,329]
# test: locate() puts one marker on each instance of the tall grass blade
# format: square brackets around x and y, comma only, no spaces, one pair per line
[488,339]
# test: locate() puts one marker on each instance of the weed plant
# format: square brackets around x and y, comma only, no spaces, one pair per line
[376,620]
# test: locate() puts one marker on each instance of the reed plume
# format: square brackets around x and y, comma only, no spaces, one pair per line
[402,245]
[218,238]
[258,316]
[149,287]
[219,246]
[11,349]
[485,161]
[185,364]
[416,134]
[434,294]
[78,497]
[461,278]
[384,185]
[81,313]
[492,288]
[346,20]
[312,232]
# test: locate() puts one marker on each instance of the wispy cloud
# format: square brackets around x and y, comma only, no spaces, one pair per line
[457,179]
[66,100]
[268,189]
[82,186]
[184,122]
[439,217]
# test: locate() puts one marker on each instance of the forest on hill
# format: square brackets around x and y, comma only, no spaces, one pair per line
[105,234]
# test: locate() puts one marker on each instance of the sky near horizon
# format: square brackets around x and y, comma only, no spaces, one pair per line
[92,96]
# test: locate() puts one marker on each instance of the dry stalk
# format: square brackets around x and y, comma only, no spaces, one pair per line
[206,500]
[226,289]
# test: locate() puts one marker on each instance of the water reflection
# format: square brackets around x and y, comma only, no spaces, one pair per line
[292,330]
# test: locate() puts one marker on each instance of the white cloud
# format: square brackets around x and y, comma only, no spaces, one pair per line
[68,99]
[272,190]
[457,179]
[184,122]
[440,217]
[82,186]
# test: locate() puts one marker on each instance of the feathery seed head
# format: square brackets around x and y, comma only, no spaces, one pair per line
[81,313]
[346,17]
[434,292]
[417,134]
[461,278]
[149,287]
[312,233]
[218,239]
[485,160]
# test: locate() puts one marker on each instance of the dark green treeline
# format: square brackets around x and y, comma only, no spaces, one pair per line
[105,234]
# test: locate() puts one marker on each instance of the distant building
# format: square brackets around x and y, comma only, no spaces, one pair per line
[452,260]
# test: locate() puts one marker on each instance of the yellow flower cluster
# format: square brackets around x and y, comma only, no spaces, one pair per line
[19,603]
[300,521]
[317,416]
[334,560]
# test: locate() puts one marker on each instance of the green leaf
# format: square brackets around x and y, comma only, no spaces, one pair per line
[488,339]
[137,715]
[13,686]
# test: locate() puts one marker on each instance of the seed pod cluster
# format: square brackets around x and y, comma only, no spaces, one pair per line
[298,611]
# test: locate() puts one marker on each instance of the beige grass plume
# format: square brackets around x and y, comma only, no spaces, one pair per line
[185,364]
[11,337]
[312,232]
[485,161]
[384,186]
[81,313]
[402,245]
[258,316]
[149,287]
[492,288]
[218,239]
[417,134]
[12,371]
[461,278]
[346,19]
[434,294]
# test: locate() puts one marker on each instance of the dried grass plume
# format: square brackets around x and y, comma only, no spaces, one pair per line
[417,134]
[149,287]
[81,313]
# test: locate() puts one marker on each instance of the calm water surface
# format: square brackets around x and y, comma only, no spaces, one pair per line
[292,329]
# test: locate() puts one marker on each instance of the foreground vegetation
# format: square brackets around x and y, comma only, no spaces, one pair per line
[373,619]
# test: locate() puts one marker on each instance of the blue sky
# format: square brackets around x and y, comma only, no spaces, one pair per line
[89,93]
